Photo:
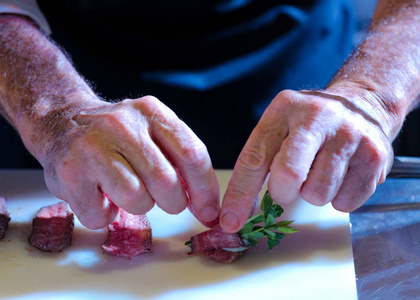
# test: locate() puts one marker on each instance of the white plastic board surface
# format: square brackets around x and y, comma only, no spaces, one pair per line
[315,263]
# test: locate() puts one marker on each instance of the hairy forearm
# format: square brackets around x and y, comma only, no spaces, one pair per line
[385,68]
[40,91]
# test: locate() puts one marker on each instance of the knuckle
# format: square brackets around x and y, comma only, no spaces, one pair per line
[283,100]
[195,156]
[135,200]
[348,135]
[164,178]
[238,190]
[289,174]
[315,195]
[288,95]
[130,195]
[316,108]
[167,191]
[149,99]
[155,111]
[376,156]
[133,197]
[238,194]
[148,104]
[253,160]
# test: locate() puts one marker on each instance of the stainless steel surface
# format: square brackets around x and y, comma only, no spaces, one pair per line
[405,167]
[386,241]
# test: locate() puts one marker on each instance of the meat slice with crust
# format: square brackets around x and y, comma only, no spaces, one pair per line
[223,256]
[52,228]
[4,217]
[218,245]
[129,235]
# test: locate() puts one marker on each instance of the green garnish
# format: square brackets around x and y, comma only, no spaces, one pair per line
[271,230]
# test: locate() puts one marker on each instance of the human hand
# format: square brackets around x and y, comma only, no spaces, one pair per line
[315,145]
[127,155]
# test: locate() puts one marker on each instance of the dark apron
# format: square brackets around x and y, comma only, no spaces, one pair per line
[216,64]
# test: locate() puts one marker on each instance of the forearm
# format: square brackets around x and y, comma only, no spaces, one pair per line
[130,151]
[40,91]
[385,68]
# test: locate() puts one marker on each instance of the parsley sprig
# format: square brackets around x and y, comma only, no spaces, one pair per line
[271,230]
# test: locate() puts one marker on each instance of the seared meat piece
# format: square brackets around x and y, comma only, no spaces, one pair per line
[129,235]
[4,217]
[52,228]
[218,245]
[223,256]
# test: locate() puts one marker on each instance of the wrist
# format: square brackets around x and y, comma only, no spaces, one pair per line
[44,128]
[388,111]
[40,91]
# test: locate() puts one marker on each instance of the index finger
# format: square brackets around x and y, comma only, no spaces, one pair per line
[252,168]
[192,161]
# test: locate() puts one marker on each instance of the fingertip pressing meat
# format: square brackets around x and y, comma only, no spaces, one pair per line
[218,245]
[221,246]
[129,235]
[52,228]
[4,217]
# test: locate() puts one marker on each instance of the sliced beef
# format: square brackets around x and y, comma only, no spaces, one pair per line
[4,217]
[214,242]
[52,228]
[223,256]
[129,235]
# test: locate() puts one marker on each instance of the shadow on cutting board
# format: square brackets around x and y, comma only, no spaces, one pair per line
[84,266]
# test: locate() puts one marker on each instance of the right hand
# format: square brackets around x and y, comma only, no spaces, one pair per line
[127,155]
[316,145]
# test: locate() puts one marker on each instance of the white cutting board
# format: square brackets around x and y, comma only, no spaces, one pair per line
[315,263]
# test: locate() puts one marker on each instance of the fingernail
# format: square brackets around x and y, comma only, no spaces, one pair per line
[230,221]
[209,213]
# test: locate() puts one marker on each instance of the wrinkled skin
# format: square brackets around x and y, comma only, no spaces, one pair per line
[325,146]
[98,156]
[127,153]
[335,145]
[314,145]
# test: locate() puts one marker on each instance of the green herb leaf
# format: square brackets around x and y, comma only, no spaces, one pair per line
[279,235]
[269,221]
[283,223]
[286,229]
[248,228]
[266,202]
[254,235]
[256,219]
[271,230]
[252,242]
[269,233]
[187,243]
[277,211]
[272,243]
